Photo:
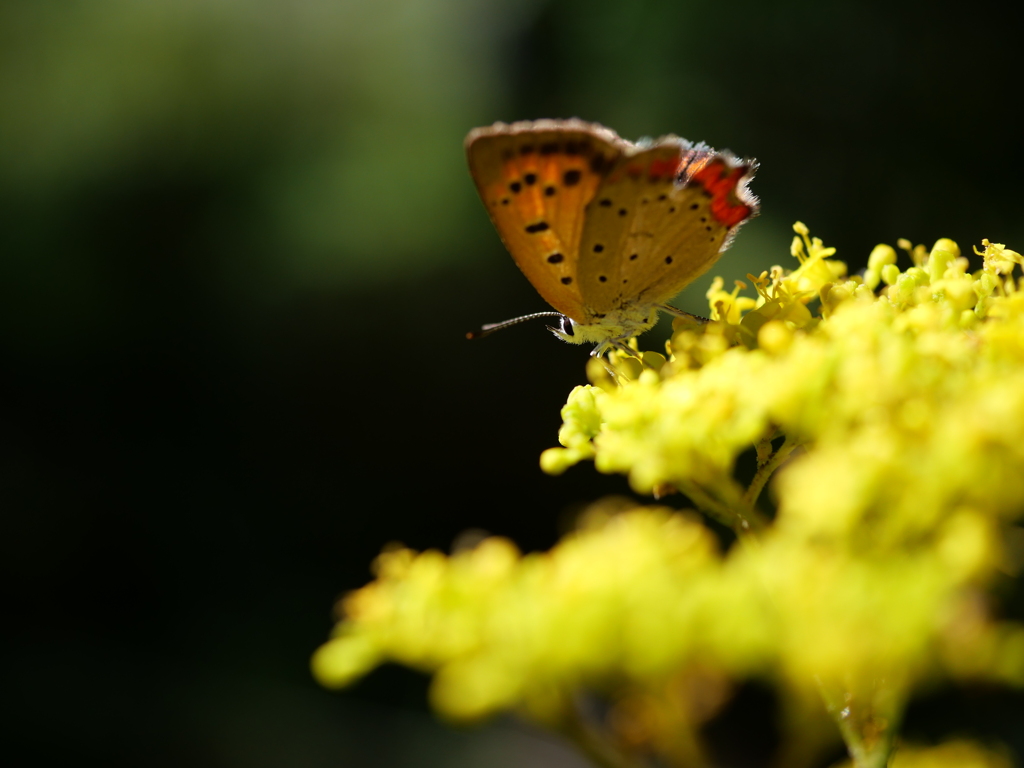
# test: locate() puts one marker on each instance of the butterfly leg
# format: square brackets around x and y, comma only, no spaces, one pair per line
[679,313]
[619,344]
[622,346]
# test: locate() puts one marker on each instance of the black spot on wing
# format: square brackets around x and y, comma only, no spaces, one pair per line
[540,226]
[571,178]
[556,258]
[599,164]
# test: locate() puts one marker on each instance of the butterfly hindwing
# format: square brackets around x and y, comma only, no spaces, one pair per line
[536,179]
[621,223]
[660,219]
[697,224]
[714,203]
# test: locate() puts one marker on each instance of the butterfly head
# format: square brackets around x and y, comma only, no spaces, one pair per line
[565,330]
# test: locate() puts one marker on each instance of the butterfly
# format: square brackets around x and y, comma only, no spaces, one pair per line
[606,230]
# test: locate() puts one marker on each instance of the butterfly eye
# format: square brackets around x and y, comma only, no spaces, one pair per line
[566,326]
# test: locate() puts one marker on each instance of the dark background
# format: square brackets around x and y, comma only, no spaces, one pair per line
[239,250]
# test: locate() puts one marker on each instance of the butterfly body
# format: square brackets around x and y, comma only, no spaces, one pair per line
[607,231]
[617,325]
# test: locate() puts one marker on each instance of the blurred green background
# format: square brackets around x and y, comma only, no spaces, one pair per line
[239,249]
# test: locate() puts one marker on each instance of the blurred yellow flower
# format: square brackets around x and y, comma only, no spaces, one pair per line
[891,407]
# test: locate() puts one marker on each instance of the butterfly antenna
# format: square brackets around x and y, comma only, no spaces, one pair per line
[487,330]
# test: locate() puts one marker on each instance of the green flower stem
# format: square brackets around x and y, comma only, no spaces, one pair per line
[744,520]
[765,470]
[867,734]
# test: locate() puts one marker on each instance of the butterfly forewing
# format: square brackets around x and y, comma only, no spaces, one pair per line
[536,180]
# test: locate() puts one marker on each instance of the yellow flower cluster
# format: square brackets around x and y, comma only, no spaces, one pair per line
[892,406]
[909,404]
[503,630]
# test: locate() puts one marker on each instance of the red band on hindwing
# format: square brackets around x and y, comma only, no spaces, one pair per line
[721,181]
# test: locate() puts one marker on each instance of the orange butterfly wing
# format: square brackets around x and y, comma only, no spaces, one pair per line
[536,179]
